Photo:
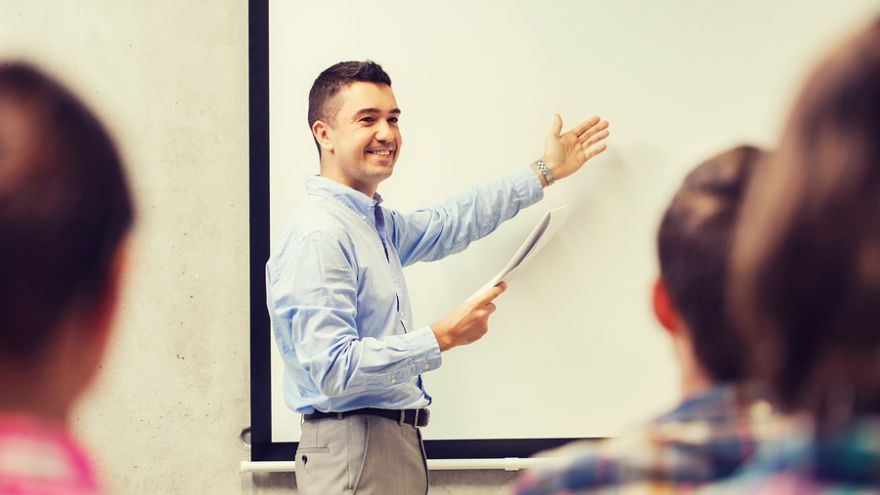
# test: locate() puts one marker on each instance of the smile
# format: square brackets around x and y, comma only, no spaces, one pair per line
[380,152]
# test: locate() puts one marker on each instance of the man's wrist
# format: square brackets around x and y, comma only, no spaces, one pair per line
[441,337]
[544,171]
[538,174]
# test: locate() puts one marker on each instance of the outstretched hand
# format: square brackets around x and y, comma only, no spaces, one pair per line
[565,154]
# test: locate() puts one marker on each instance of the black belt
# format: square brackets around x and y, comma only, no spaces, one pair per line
[413,417]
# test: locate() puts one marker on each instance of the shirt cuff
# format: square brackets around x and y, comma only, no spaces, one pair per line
[527,186]
[426,349]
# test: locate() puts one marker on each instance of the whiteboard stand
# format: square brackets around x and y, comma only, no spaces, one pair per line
[506,464]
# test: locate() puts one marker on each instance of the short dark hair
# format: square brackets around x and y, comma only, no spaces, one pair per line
[693,244]
[806,264]
[328,84]
[64,208]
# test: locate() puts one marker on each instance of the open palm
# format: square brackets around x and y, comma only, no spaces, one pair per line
[566,153]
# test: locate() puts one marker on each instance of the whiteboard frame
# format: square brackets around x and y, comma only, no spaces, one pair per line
[263,448]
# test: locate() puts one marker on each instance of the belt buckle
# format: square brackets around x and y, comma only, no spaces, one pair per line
[424,413]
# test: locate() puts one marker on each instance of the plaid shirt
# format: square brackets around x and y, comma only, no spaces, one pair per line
[804,462]
[708,437]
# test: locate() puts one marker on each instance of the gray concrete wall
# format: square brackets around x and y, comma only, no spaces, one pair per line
[170,78]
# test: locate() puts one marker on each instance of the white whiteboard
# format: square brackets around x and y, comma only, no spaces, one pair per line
[573,350]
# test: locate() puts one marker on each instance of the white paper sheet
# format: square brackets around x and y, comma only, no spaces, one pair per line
[546,228]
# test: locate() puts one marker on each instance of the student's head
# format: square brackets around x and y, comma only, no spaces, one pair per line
[353,116]
[64,211]
[694,242]
[806,281]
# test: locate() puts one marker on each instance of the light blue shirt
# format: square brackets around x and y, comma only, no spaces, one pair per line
[337,296]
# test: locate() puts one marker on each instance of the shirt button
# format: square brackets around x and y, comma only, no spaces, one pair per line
[394,380]
[427,366]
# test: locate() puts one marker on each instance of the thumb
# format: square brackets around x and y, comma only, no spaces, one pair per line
[487,297]
[557,125]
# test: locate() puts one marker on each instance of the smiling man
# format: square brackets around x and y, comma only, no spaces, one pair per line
[338,299]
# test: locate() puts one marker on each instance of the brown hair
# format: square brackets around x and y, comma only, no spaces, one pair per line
[806,281]
[322,104]
[693,245]
[64,208]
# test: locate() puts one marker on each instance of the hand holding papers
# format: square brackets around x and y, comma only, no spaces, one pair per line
[546,228]
[469,321]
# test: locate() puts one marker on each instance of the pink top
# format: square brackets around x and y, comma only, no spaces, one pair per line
[37,458]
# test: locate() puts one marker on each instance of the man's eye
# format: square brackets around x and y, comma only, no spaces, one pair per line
[393,120]
[367,120]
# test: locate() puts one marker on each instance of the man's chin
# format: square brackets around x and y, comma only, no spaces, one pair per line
[384,174]
[381,169]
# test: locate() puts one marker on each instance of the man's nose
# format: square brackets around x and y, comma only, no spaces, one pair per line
[384,131]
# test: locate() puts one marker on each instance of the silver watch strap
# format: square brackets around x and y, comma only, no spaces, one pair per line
[545,171]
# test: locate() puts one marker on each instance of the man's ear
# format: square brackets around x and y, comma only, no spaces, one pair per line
[663,308]
[322,131]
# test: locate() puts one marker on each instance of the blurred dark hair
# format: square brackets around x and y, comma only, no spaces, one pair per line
[806,281]
[64,208]
[694,243]
[322,104]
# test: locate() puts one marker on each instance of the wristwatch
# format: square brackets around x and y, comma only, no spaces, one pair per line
[545,171]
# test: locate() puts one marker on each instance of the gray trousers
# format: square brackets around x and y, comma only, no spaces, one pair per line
[360,454]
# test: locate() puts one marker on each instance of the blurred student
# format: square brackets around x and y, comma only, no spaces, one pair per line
[64,213]
[714,429]
[805,282]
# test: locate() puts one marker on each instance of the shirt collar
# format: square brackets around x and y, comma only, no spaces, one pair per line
[317,185]
[720,402]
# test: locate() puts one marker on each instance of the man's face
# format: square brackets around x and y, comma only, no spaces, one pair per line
[364,136]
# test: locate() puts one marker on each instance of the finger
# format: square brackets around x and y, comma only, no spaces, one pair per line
[595,139]
[490,308]
[596,129]
[594,151]
[557,125]
[487,297]
[583,126]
